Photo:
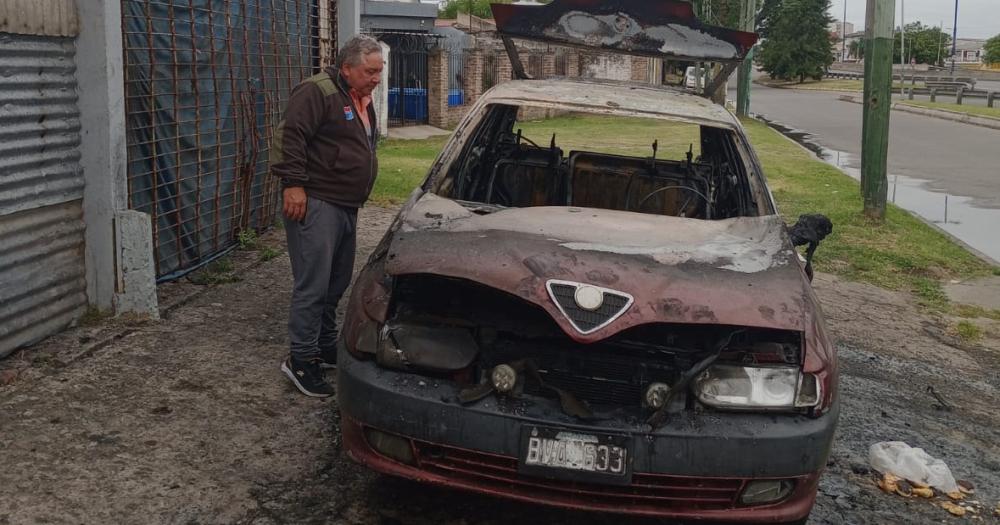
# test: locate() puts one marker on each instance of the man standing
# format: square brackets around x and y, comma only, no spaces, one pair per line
[324,154]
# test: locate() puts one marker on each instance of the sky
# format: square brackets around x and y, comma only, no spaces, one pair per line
[976,18]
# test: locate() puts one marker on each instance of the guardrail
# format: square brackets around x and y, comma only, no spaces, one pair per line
[959,94]
[967,82]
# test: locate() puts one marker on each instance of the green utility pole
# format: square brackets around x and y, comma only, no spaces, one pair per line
[878,100]
[748,16]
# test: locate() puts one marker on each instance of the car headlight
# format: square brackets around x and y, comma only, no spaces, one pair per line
[745,387]
[428,348]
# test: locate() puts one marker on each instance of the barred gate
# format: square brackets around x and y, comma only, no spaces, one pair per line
[456,73]
[205,84]
[491,68]
[408,77]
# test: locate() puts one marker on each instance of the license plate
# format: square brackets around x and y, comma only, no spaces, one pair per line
[572,455]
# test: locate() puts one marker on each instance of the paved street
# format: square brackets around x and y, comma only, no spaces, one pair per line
[955,158]
[946,172]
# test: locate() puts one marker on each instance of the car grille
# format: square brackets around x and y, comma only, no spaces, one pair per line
[500,473]
[587,321]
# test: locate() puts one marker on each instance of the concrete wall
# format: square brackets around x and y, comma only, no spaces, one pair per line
[606,66]
[348,20]
[101,81]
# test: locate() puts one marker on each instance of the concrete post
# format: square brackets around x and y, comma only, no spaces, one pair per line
[878,101]
[959,95]
[437,88]
[381,95]
[348,20]
[120,273]
[991,98]
[475,61]
[909,92]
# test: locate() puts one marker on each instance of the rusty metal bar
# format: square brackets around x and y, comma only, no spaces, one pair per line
[198,154]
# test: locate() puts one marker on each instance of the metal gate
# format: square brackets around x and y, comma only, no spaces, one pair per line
[42,271]
[205,84]
[492,59]
[408,76]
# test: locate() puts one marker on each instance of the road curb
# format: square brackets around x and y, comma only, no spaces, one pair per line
[943,114]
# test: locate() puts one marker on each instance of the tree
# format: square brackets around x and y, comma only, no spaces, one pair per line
[481,8]
[450,9]
[927,45]
[856,49]
[992,49]
[798,44]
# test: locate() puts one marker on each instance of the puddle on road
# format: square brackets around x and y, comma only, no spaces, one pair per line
[974,226]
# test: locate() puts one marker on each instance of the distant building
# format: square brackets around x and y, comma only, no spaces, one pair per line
[969,51]
[837,26]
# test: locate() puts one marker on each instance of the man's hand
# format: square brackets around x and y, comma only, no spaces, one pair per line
[295,204]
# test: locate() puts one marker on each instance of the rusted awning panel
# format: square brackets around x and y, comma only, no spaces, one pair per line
[656,28]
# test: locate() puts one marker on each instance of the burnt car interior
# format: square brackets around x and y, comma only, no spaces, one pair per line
[500,166]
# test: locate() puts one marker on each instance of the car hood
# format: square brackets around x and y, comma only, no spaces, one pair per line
[741,272]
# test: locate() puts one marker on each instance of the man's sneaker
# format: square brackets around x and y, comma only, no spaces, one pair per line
[307,377]
[328,358]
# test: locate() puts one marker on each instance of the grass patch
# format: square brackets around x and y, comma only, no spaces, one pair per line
[968,332]
[930,293]
[902,253]
[221,271]
[403,165]
[616,136]
[248,240]
[268,253]
[969,311]
[978,111]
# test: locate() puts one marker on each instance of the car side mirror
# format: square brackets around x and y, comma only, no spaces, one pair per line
[809,231]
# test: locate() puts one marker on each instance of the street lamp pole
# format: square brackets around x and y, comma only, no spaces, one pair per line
[954,40]
[940,43]
[843,35]
[902,36]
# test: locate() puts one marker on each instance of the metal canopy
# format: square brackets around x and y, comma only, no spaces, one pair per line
[666,29]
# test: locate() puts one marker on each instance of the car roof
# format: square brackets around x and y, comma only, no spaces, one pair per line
[612,98]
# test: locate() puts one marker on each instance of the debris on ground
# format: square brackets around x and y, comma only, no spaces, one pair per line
[912,473]
[912,464]
[955,510]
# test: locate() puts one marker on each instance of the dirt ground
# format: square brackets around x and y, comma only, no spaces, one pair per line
[188,420]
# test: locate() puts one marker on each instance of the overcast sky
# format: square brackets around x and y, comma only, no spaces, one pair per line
[976,18]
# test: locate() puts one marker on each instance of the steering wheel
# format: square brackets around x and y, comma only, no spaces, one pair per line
[665,188]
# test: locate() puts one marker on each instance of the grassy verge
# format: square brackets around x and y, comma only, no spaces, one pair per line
[903,253]
[978,111]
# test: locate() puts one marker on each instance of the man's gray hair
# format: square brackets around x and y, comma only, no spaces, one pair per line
[356,49]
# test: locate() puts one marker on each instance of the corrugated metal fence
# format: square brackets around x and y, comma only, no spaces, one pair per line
[42,271]
[206,83]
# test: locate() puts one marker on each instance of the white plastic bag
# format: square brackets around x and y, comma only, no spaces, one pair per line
[911,464]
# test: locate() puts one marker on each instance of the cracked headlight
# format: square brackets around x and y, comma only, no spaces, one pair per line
[748,388]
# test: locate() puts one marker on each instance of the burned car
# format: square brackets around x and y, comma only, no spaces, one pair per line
[591,327]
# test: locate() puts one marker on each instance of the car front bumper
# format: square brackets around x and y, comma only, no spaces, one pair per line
[696,466]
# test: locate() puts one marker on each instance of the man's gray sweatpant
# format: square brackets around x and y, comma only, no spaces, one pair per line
[321,248]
